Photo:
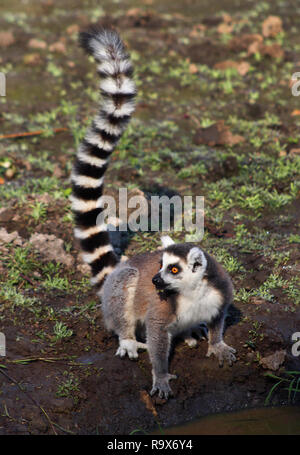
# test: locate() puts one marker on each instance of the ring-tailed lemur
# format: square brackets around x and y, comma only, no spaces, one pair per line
[168,291]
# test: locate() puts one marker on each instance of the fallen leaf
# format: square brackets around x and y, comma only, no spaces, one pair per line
[197,30]
[6,39]
[241,67]
[37,44]
[72,29]
[32,59]
[271,26]
[272,50]
[146,399]
[226,18]
[256,301]
[217,134]
[193,68]
[225,28]
[242,42]
[295,112]
[134,12]
[58,47]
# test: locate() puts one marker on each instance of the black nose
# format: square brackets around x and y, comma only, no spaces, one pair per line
[157,280]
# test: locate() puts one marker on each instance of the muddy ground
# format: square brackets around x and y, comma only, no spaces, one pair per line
[215,117]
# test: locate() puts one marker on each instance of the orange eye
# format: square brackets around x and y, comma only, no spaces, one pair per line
[174,270]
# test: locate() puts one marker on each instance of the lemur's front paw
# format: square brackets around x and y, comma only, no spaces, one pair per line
[130,347]
[161,385]
[223,352]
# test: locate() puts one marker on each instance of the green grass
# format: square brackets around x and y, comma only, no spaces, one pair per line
[69,387]
[289,382]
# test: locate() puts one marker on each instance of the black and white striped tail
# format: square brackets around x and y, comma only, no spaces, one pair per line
[118,92]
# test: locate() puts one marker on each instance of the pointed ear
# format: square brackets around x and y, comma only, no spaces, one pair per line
[166,241]
[196,258]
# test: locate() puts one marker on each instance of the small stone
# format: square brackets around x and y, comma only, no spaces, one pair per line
[51,248]
[14,237]
[273,361]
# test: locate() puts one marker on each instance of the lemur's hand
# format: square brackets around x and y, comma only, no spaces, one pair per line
[161,385]
[223,352]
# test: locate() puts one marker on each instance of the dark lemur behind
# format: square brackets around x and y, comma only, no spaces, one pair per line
[118,93]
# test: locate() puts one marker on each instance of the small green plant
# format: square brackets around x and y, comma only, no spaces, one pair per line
[56,282]
[254,335]
[290,382]
[39,211]
[68,387]
[61,331]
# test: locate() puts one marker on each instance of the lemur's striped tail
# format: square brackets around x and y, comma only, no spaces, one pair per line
[117,104]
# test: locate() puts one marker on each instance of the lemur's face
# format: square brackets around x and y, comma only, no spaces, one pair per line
[179,273]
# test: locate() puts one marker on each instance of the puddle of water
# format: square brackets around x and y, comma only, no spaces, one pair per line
[262,421]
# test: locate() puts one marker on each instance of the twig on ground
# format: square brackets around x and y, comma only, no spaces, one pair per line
[29,133]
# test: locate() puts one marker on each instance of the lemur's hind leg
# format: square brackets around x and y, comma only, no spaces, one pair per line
[119,312]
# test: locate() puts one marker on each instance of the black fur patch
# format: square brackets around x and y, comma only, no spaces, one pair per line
[87,219]
[106,38]
[128,72]
[117,120]
[108,259]
[106,137]
[89,170]
[94,241]
[118,98]
[180,249]
[87,194]
[95,151]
